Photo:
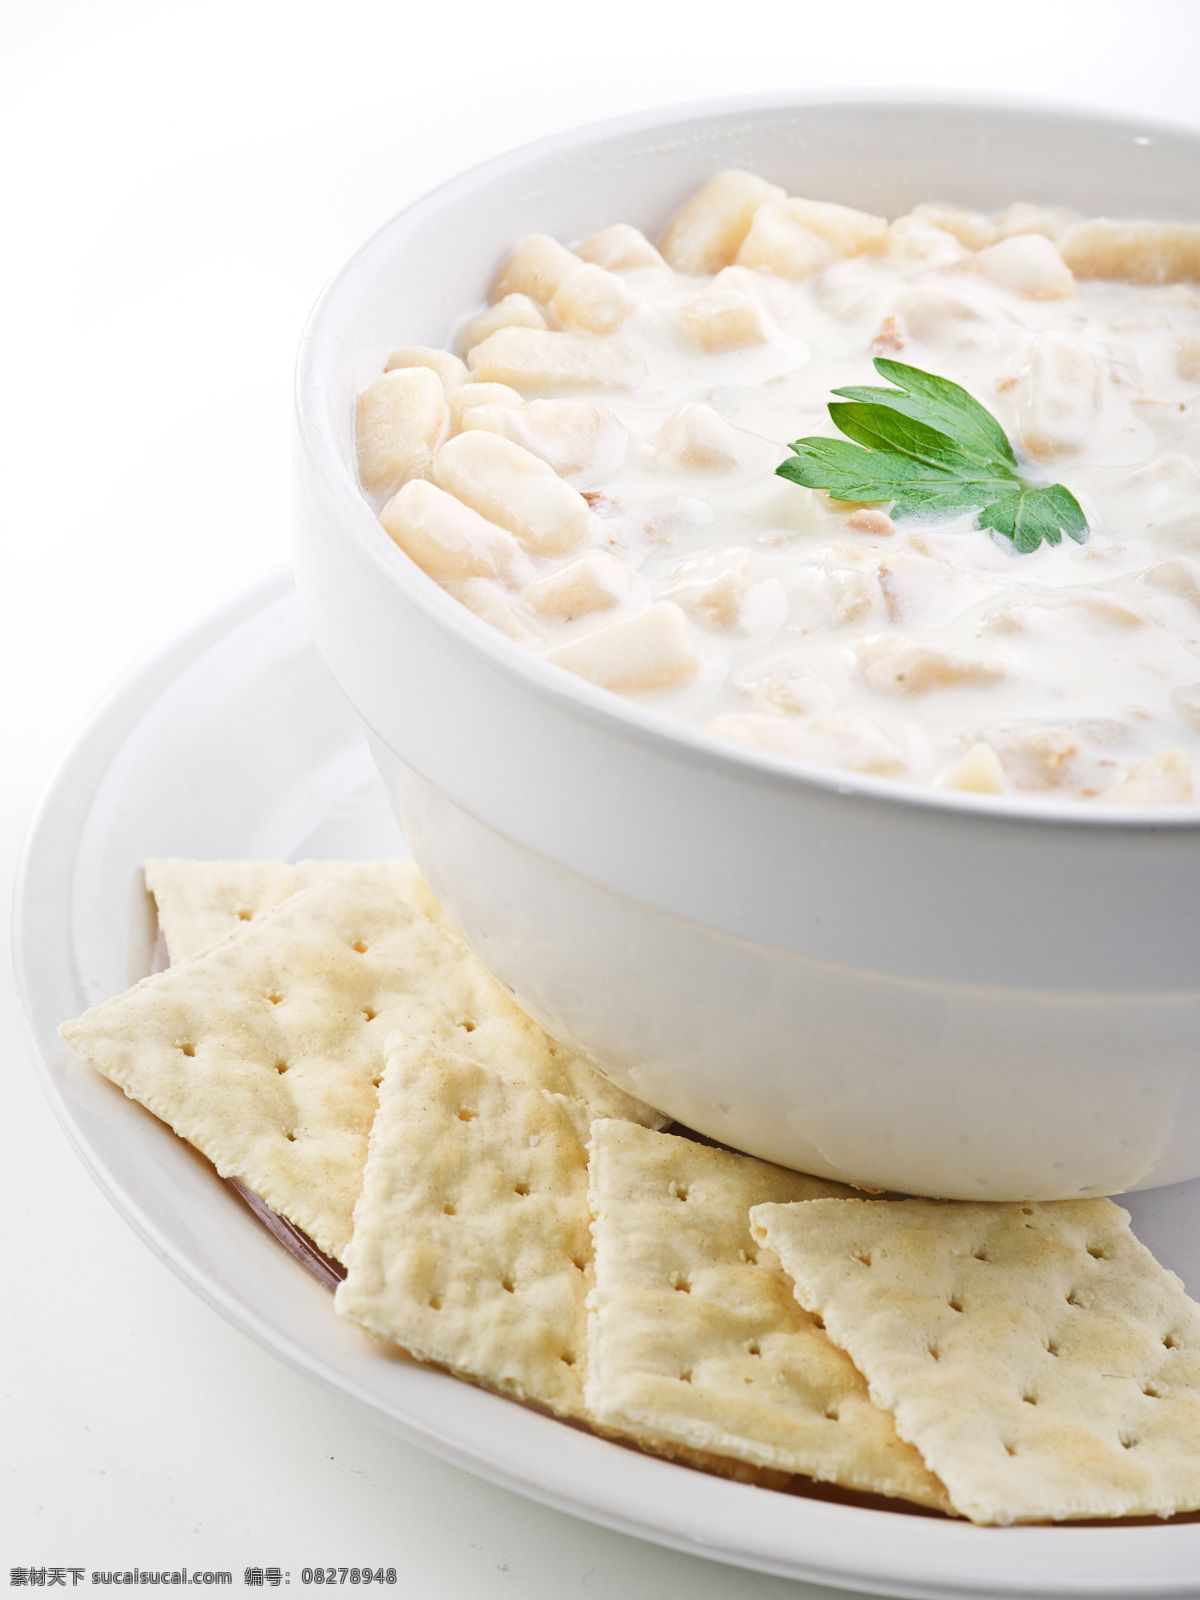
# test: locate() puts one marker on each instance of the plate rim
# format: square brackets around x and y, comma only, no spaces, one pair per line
[724,1521]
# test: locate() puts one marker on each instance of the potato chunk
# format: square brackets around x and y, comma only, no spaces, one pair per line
[597,581]
[652,650]
[855,743]
[513,489]
[1134,252]
[722,319]
[705,233]
[572,436]
[619,249]
[1022,217]
[449,368]
[474,395]
[892,663]
[591,299]
[796,239]
[490,603]
[1178,575]
[398,418]
[1163,780]
[713,585]
[978,772]
[447,539]
[536,268]
[697,438]
[970,228]
[514,311]
[1030,265]
[527,358]
[1058,397]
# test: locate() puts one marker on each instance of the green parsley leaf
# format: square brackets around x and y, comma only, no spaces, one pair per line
[927,445]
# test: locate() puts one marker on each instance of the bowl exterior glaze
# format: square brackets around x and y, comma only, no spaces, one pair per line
[960,997]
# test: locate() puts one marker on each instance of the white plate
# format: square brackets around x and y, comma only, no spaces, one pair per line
[237,743]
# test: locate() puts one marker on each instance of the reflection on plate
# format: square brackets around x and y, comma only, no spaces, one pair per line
[238,743]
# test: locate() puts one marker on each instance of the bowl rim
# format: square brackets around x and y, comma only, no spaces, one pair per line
[618,715]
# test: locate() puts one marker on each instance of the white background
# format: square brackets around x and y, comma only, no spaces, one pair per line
[178,182]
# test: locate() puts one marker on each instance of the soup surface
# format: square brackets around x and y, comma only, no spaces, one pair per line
[595,475]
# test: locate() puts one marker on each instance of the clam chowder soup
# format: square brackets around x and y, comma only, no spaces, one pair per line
[594,473]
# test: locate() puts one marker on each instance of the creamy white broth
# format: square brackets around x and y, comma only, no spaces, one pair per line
[703,584]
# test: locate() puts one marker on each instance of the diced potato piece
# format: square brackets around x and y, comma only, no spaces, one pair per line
[1134,252]
[1163,780]
[449,368]
[619,249]
[892,663]
[652,650]
[713,586]
[722,319]
[796,239]
[572,436]
[527,358]
[596,581]
[474,395]
[1058,397]
[940,318]
[1030,265]
[1164,497]
[1178,575]
[915,239]
[855,743]
[447,539]
[971,228]
[697,438]
[1187,358]
[1186,703]
[398,419]
[797,690]
[1022,217]
[536,268]
[705,233]
[489,602]
[592,299]
[514,311]
[979,772]
[513,489]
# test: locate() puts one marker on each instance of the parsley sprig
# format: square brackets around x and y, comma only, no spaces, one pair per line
[928,446]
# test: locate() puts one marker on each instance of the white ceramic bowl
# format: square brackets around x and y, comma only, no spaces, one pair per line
[967,997]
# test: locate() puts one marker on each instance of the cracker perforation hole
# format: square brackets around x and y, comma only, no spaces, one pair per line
[1026,1211]
[686,1377]
[370,1013]
[244,915]
[449,1211]
[507,1285]
[274,997]
[1170,1342]
[465,1114]
[1050,1347]
[377,1080]
[1128,1441]
[359,946]
[954,1303]
[1030,1399]
[580,1266]
[935,1353]
[188,1049]
[1151,1392]
[435,1302]
[567,1359]
[677,1191]
[281,1067]
[466,1024]
[680,1284]
[290,1137]
[980,1255]
[521,1187]
[832,1414]
[1009,1449]
[1097,1252]
[818,1319]
[754,1349]
[1073,1298]
[864,1256]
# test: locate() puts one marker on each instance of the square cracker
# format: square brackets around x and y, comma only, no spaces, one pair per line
[693,1339]
[201,902]
[266,1050]
[471,1245]
[1038,1356]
